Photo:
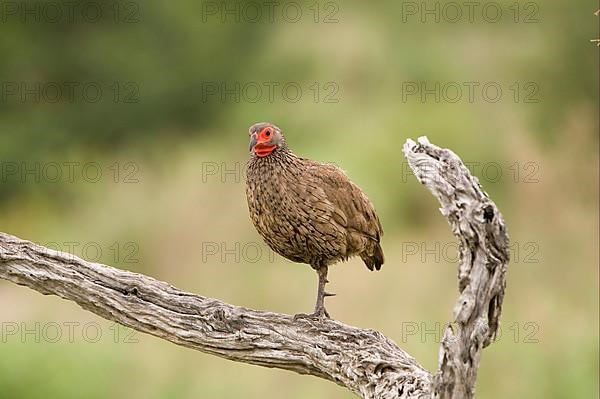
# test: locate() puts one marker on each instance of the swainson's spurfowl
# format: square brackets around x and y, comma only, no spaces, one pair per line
[307,211]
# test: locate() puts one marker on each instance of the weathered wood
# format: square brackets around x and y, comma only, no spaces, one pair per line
[364,361]
[484,256]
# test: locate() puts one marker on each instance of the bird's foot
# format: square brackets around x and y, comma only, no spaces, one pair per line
[319,315]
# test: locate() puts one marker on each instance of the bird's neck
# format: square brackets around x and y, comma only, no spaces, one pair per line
[280,159]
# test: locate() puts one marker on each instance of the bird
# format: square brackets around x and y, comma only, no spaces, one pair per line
[308,212]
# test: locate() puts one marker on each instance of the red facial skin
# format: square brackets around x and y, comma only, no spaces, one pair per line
[262,149]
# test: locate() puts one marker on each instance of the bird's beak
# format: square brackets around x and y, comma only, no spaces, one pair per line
[252,142]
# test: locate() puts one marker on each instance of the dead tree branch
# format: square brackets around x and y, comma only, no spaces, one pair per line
[484,255]
[364,361]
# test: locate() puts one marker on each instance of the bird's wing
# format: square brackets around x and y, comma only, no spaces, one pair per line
[350,207]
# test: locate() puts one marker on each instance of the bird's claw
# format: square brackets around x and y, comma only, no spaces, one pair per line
[318,315]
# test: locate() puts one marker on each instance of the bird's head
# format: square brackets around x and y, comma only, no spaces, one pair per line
[265,138]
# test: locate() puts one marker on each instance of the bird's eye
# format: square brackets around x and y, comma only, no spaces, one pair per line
[268,133]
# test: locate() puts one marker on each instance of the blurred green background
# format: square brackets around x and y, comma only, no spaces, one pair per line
[140,166]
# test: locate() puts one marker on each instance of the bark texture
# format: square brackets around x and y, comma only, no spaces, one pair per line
[484,256]
[364,361]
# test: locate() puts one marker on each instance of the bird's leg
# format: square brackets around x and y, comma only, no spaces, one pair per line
[320,311]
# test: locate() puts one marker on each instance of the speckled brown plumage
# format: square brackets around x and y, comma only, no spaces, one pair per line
[306,211]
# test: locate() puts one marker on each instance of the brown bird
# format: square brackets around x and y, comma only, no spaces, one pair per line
[307,211]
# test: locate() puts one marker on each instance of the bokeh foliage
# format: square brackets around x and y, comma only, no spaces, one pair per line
[175,133]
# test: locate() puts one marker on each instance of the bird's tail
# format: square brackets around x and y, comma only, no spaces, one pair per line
[373,259]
